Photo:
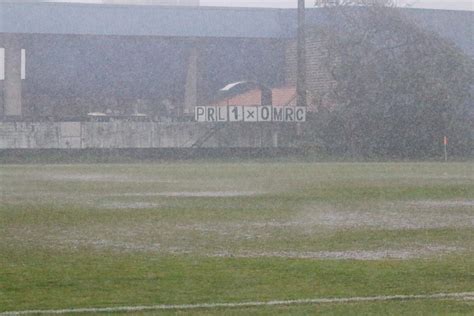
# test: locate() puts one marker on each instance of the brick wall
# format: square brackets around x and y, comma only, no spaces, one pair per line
[318,77]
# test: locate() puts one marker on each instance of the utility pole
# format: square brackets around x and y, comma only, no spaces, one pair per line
[445,143]
[301,57]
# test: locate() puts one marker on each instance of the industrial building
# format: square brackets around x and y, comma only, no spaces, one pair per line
[60,62]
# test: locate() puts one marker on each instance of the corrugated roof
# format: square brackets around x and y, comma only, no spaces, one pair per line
[130,20]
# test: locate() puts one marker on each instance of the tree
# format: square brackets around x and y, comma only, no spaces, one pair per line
[397,89]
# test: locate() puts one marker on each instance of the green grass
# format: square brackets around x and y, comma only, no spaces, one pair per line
[99,235]
[88,279]
[427,307]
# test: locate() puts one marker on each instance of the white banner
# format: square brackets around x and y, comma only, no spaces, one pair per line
[235,113]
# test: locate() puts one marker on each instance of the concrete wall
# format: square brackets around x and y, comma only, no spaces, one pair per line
[123,134]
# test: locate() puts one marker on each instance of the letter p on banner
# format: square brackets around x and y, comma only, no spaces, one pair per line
[200,113]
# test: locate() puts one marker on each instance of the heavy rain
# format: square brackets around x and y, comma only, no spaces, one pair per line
[211,157]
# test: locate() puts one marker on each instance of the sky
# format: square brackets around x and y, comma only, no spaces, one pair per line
[432,4]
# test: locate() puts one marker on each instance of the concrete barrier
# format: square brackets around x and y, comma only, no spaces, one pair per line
[128,134]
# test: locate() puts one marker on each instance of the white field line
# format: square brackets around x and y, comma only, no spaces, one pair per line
[462,296]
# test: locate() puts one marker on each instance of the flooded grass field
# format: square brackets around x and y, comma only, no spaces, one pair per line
[74,236]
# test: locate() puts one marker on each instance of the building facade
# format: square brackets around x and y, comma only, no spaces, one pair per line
[61,61]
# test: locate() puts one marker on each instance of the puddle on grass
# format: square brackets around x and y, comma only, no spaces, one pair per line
[391,220]
[129,205]
[400,254]
[98,177]
[398,215]
[192,194]
[442,203]
[425,251]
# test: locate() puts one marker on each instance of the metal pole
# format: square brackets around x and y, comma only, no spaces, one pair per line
[267,97]
[301,56]
[445,148]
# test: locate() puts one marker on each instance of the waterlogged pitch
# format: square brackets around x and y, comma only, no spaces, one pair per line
[97,236]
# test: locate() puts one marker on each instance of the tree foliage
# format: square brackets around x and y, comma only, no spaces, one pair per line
[347,3]
[397,88]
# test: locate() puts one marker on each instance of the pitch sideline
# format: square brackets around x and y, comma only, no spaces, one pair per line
[462,295]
